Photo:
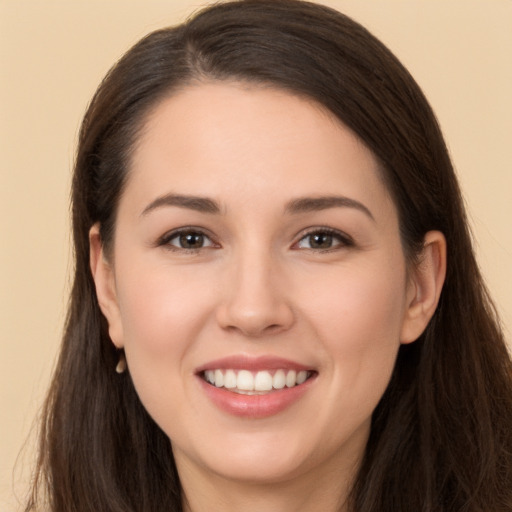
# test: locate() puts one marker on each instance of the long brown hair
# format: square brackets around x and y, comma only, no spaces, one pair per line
[441,437]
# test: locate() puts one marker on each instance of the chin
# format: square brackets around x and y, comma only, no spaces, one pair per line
[255,469]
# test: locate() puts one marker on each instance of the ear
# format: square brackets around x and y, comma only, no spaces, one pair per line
[424,286]
[104,279]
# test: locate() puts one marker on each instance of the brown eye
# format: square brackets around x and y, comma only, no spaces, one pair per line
[191,240]
[324,240]
[320,241]
[188,240]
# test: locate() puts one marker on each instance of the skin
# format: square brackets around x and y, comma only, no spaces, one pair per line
[260,287]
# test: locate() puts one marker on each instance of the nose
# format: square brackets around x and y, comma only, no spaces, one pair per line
[254,301]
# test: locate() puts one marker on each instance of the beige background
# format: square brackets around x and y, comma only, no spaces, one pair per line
[54,53]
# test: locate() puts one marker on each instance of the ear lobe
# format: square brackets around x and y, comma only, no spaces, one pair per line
[103,275]
[424,287]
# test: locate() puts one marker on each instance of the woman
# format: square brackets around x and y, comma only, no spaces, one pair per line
[272,252]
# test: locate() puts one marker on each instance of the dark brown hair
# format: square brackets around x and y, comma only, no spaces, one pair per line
[441,437]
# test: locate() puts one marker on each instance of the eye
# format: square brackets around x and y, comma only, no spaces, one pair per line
[323,240]
[186,239]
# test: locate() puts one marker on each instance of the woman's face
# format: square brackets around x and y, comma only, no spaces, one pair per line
[258,283]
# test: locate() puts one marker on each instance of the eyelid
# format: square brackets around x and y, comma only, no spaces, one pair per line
[164,240]
[344,239]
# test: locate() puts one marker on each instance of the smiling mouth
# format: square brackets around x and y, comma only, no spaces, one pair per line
[245,382]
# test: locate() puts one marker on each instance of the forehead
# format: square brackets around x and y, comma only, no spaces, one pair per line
[251,141]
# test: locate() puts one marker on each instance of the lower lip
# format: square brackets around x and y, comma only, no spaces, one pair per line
[255,406]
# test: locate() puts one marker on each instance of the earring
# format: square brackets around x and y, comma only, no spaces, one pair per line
[121,365]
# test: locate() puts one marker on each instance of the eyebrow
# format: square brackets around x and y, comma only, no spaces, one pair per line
[296,206]
[312,204]
[197,203]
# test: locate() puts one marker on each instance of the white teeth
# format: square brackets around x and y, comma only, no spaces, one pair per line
[263,381]
[230,379]
[246,382]
[301,377]
[219,378]
[291,378]
[279,380]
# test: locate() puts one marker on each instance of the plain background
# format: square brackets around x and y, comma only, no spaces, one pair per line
[53,55]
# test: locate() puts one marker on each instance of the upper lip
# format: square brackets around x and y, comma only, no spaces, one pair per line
[252,363]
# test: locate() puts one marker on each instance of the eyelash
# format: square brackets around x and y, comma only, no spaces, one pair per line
[342,240]
[165,240]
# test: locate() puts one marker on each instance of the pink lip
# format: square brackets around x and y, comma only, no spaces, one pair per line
[245,362]
[254,406]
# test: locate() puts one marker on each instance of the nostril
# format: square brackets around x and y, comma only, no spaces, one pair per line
[273,328]
[254,330]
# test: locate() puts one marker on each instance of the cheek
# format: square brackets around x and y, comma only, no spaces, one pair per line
[162,314]
[370,298]
[359,322]
[161,308]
